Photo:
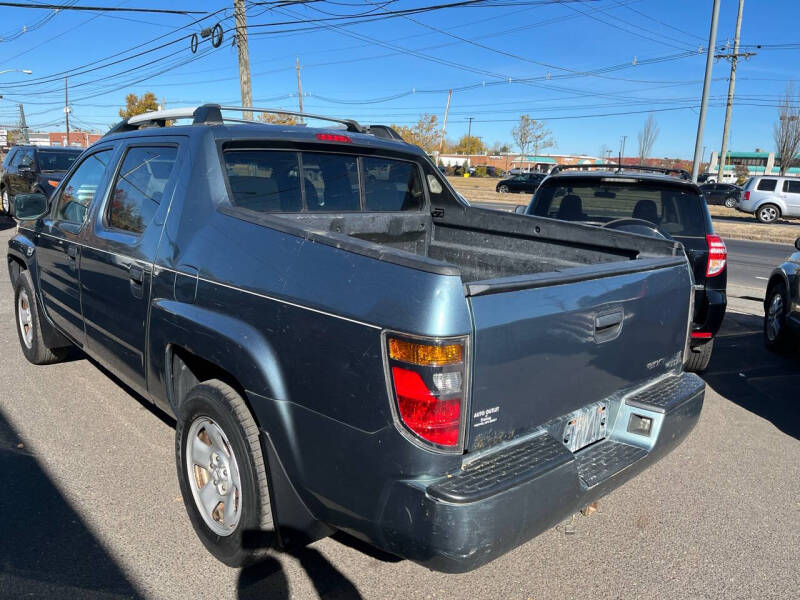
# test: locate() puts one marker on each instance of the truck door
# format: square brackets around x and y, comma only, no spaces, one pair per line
[58,248]
[791,196]
[117,260]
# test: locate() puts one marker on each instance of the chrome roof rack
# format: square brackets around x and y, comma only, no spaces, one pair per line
[619,168]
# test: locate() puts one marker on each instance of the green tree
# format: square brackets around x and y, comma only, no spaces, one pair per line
[531,133]
[470,145]
[425,133]
[742,174]
[137,106]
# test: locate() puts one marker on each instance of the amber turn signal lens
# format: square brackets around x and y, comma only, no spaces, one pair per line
[425,354]
[53,182]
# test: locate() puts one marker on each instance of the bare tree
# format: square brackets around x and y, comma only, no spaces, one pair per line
[786,131]
[647,137]
[530,132]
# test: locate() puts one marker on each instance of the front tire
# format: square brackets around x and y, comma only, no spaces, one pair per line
[699,357]
[768,213]
[730,202]
[776,336]
[29,328]
[222,473]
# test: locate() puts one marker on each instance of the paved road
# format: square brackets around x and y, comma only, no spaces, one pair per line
[90,503]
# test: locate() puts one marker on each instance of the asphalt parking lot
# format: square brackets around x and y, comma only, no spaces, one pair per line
[91,508]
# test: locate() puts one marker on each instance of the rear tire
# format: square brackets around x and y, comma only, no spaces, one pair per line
[699,357]
[28,322]
[776,335]
[768,213]
[503,189]
[730,202]
[222,474]
[5,202]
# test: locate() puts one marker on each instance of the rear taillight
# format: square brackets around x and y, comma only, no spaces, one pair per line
[747,195]
[334,137]
[717,255]
[428,386]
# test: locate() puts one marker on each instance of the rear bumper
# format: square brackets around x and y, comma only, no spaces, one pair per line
[504,498]
[709,312]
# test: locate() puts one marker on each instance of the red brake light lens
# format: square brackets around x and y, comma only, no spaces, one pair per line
[427,380]
[334,137]
[747,195]
[717,255]
[433,419]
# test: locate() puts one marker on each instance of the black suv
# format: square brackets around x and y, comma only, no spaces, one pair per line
[35,169]
[522,183]
[722,193]
[648,201]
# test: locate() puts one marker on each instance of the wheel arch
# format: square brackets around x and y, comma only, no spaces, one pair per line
[778,277]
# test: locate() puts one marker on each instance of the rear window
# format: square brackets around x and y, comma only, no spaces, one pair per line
[56,160]
[286,181]
[767,185]
[674,210]
[792,187]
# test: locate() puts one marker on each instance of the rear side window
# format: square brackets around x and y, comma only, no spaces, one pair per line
[392,185]
[56,160]
[264,181]
[140,186]
[673,209]
[792,187]
[767,185]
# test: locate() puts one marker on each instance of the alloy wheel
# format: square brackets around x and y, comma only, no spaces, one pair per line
[767,214]
[25,318]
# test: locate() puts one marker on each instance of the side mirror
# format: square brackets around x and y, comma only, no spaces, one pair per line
[29,206]
[797,243]
[520,209]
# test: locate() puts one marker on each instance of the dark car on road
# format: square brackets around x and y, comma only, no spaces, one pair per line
[524,183]
[345,344]
[36,169]
[649,201]
[781,314]
[725,194]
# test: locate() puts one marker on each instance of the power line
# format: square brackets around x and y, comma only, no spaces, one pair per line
[72,6]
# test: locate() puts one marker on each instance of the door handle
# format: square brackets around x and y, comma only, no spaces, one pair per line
[72,252]
[136,274]
[608,326]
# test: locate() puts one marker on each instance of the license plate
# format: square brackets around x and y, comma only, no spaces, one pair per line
[585,426]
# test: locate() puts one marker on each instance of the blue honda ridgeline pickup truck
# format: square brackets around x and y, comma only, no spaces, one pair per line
[348,345]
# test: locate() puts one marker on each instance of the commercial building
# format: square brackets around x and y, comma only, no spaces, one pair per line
[509,161]
[757,163]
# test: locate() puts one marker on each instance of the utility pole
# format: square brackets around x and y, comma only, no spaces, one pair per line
[734,58]
[22,124]
[444,123]
[469,138]
[701,122]
[622,148]
[244,56]
[66,105]
[299,90]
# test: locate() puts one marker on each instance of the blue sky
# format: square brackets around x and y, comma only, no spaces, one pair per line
[392,70]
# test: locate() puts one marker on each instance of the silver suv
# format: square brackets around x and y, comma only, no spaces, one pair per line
[770,197]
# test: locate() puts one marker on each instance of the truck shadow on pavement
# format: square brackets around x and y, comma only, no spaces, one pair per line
[46,549]
[6,223]
[743,371]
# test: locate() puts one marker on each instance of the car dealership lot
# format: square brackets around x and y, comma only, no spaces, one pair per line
[92,508]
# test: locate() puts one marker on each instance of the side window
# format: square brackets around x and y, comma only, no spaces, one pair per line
[77,194]
[793,187]
[25,158]
[9,158]
[767,185]
[139,187]
[331,182]
[264,180]
[392,185]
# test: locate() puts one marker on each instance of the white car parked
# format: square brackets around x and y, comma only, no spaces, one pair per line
[770,197]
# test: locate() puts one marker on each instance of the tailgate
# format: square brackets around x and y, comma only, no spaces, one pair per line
[553,343]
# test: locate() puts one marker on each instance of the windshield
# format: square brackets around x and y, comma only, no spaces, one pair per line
[675,210]
[57,160]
